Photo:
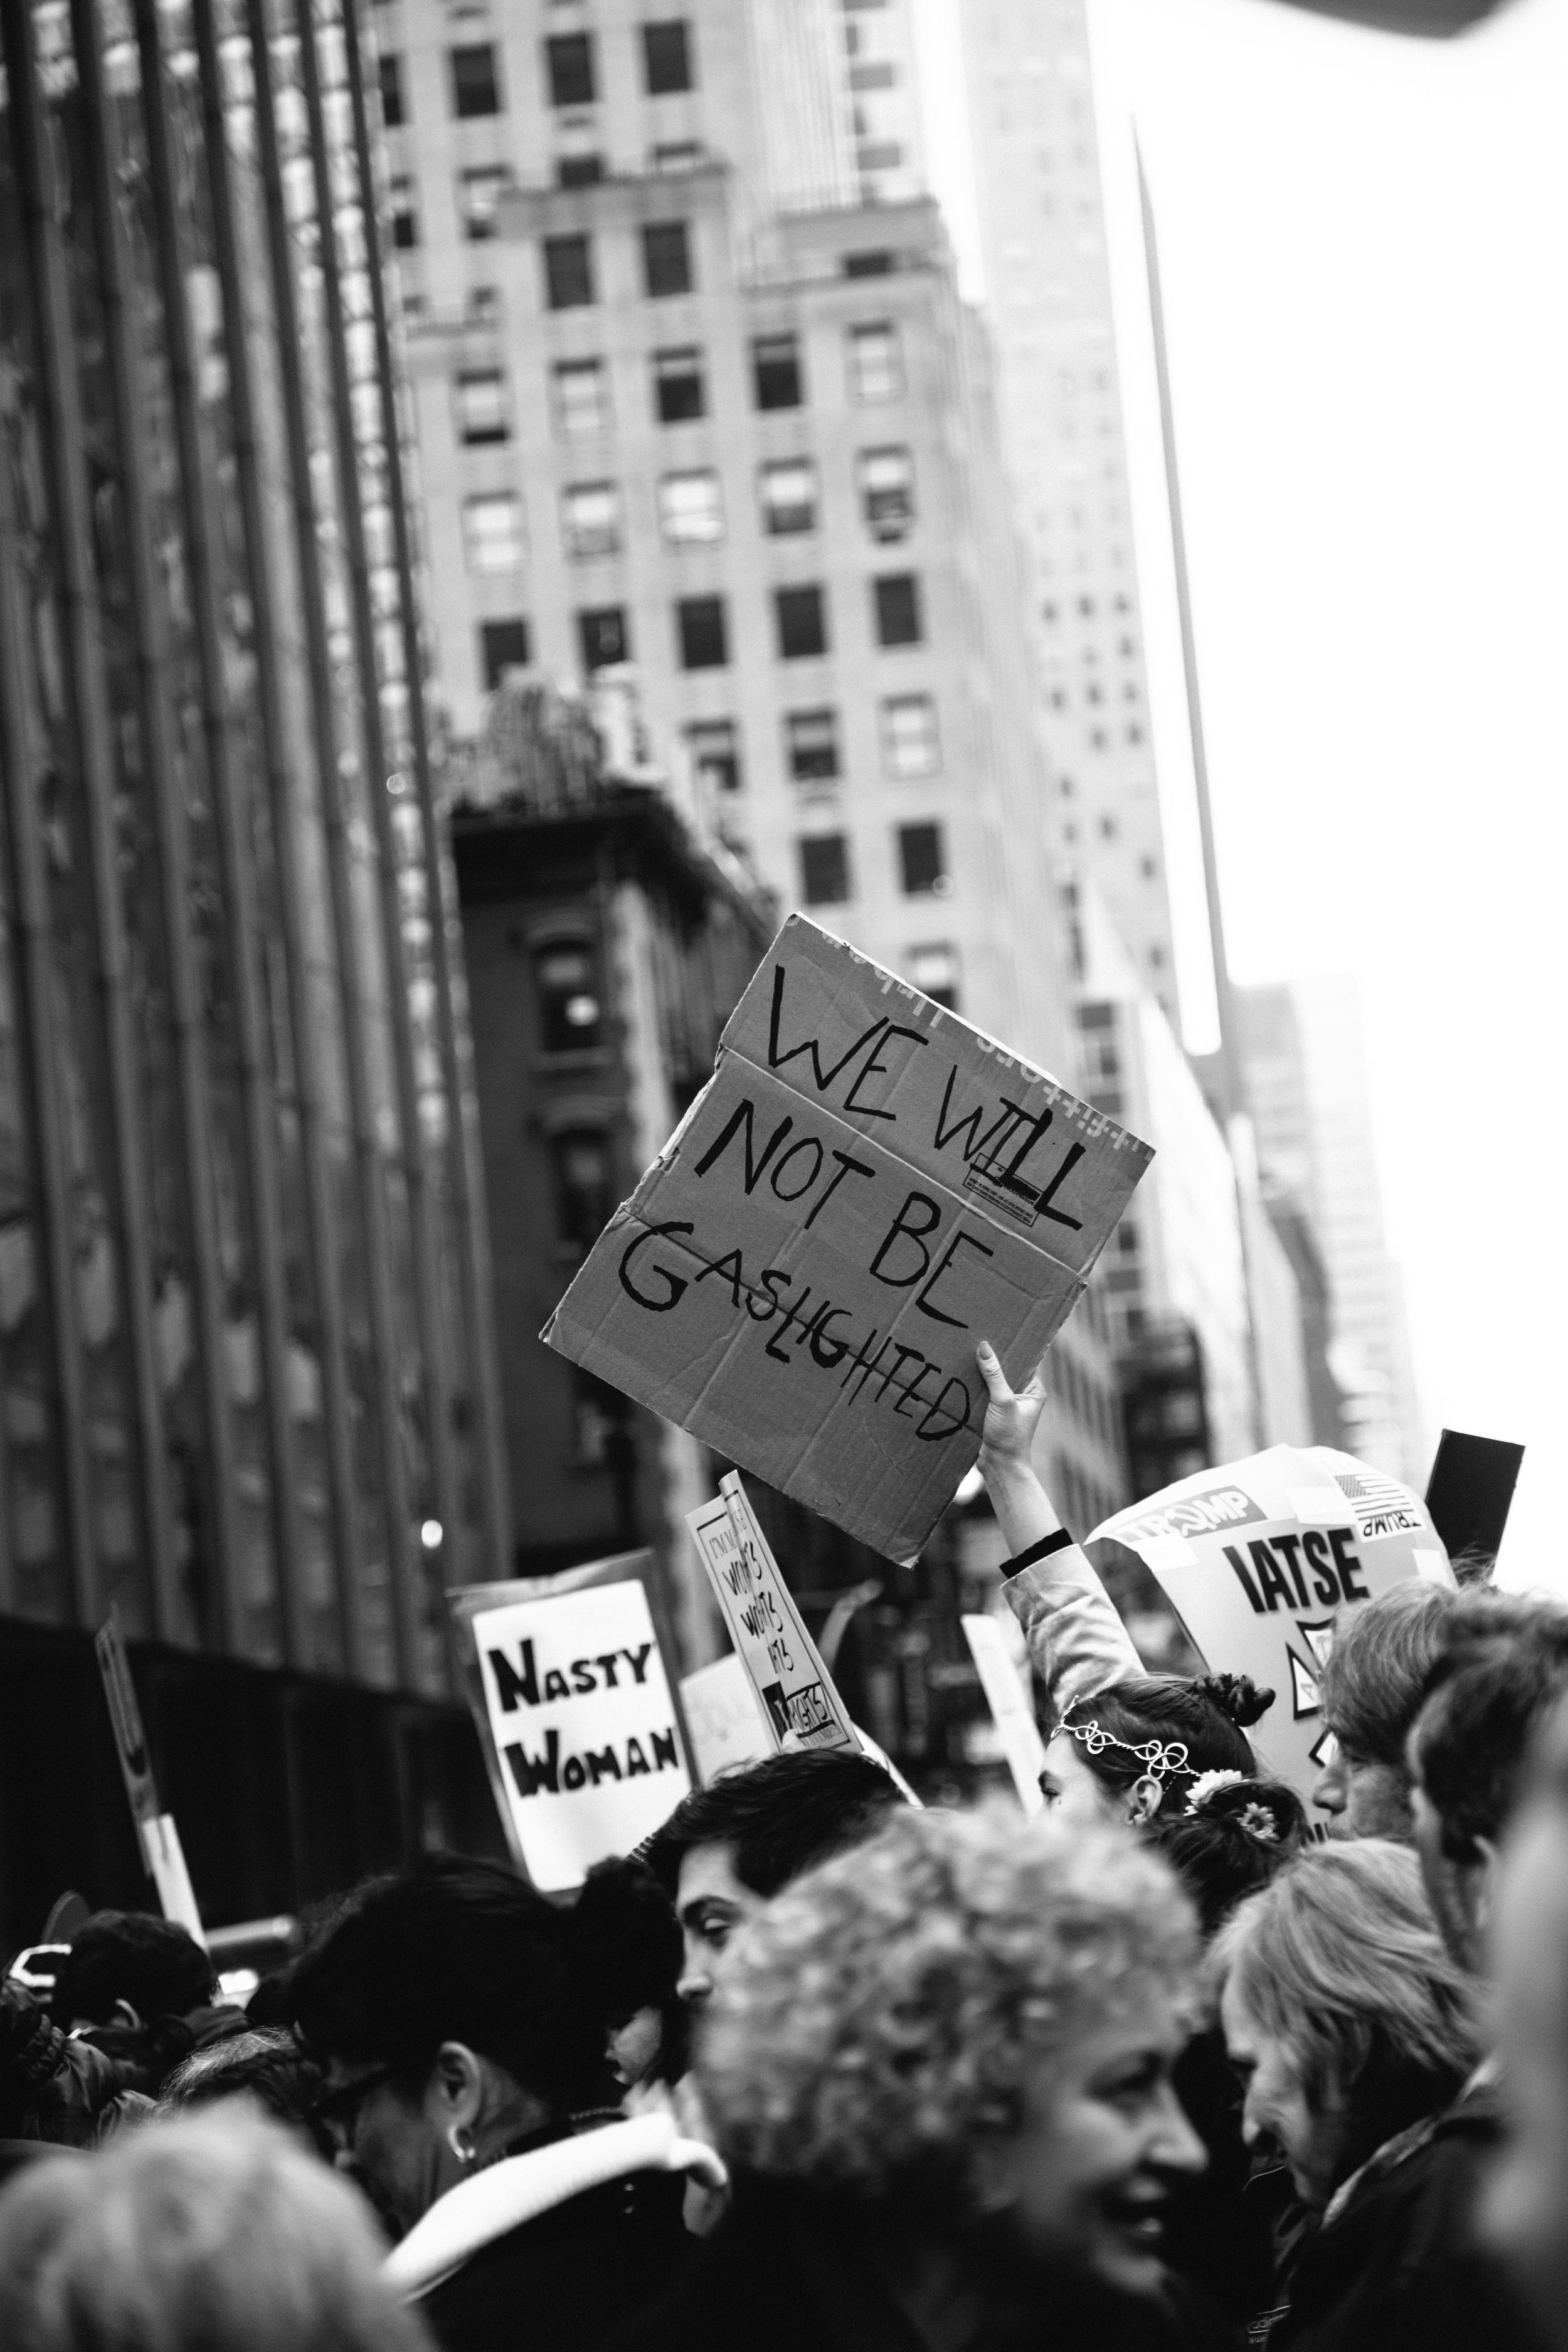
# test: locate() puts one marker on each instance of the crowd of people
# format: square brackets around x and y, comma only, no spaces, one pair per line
[1163,2067]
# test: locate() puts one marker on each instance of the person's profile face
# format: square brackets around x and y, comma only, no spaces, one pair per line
[385,2144]
[1276,2108]
[1085,2181]
[1361,1797]
[1524,2210]
[710,1901]
[1073,1792]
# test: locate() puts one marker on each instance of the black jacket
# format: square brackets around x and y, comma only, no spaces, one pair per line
[1401,2268]
[556,2248]
[788,2269]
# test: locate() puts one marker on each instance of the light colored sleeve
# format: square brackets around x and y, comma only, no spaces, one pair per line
[1077,1643]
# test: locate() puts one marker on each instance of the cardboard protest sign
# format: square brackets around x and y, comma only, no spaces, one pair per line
[865,1189]
[724,1719]
[1258,1559]
[793,1688]
[1012,1709]
[579,1718]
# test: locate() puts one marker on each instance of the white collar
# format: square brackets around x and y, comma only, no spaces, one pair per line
[503,2196]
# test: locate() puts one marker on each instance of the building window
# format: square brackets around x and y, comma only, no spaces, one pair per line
[704,640]
[802,621]
[492,531]
[897,609]
[666,57]
[569,68]
[775,372]
[590,519]
[922,868]
[824,869]
[875,364]
[582,398]
[392,114]
[715,748]
[404,217]
[811,739]
[584,1192]
[478,192]
[935,971]
[475,87]
[676,155]
[679,390]
[886,479]
[789,496]
[568,991]
[909,747]
[691,511]
[504,646]
[579,171]
[480,396]
[666,258]
[877,264]
[568,272]
[603,637]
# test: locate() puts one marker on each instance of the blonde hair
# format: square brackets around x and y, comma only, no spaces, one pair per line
[215,2234]
[1340,1960]
[887,2006]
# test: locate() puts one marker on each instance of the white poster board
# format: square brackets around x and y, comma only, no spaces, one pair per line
[724,1720]
[579,1706]
[792,1684]
[1011,1709]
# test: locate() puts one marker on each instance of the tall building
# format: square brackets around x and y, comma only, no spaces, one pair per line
[1311,1104]
[1049,307]
[881,88]
[604,953]
[243,1288]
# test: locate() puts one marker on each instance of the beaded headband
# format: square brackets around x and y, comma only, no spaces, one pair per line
[1156,1756]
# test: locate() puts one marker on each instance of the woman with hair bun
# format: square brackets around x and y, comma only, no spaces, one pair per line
[1127,1746]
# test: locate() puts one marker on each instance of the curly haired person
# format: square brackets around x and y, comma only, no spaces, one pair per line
[939,2066]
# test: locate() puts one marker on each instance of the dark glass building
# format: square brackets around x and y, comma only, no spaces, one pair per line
[245,1389]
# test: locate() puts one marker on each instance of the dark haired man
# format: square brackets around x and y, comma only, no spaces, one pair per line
[1500,1669]
[1372,1682]
[727,1848]
[128,1968]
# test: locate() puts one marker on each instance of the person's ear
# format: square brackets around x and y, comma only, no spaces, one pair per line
[1488,1877]
[1143,1800]
[456,2090]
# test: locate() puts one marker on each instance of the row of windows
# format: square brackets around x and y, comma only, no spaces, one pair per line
[580,391]
[571,74]
[907,730]
[690,504]
[800,615]
[826,878]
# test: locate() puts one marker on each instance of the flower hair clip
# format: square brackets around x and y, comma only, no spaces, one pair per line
[1156,1756]
[1205,1786]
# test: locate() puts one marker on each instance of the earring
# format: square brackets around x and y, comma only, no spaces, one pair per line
[461,2145]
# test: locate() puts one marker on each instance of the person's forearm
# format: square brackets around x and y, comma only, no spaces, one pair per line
[1024,1512]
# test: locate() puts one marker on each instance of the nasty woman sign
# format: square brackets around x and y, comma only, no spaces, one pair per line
[1262,1560]
[587,1756]
[865,1188]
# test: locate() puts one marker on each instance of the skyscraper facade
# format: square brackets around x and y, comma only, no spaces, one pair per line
[243,1296]
[1049,307]
[1312,1103]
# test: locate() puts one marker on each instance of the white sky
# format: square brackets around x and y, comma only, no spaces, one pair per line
[1365,252]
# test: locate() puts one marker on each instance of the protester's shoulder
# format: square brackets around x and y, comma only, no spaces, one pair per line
[569,2277]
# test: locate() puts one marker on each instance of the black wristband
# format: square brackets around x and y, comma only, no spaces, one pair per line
[1062,1540]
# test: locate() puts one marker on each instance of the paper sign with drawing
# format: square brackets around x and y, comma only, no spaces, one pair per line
[1259,1558]
[865,1188]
